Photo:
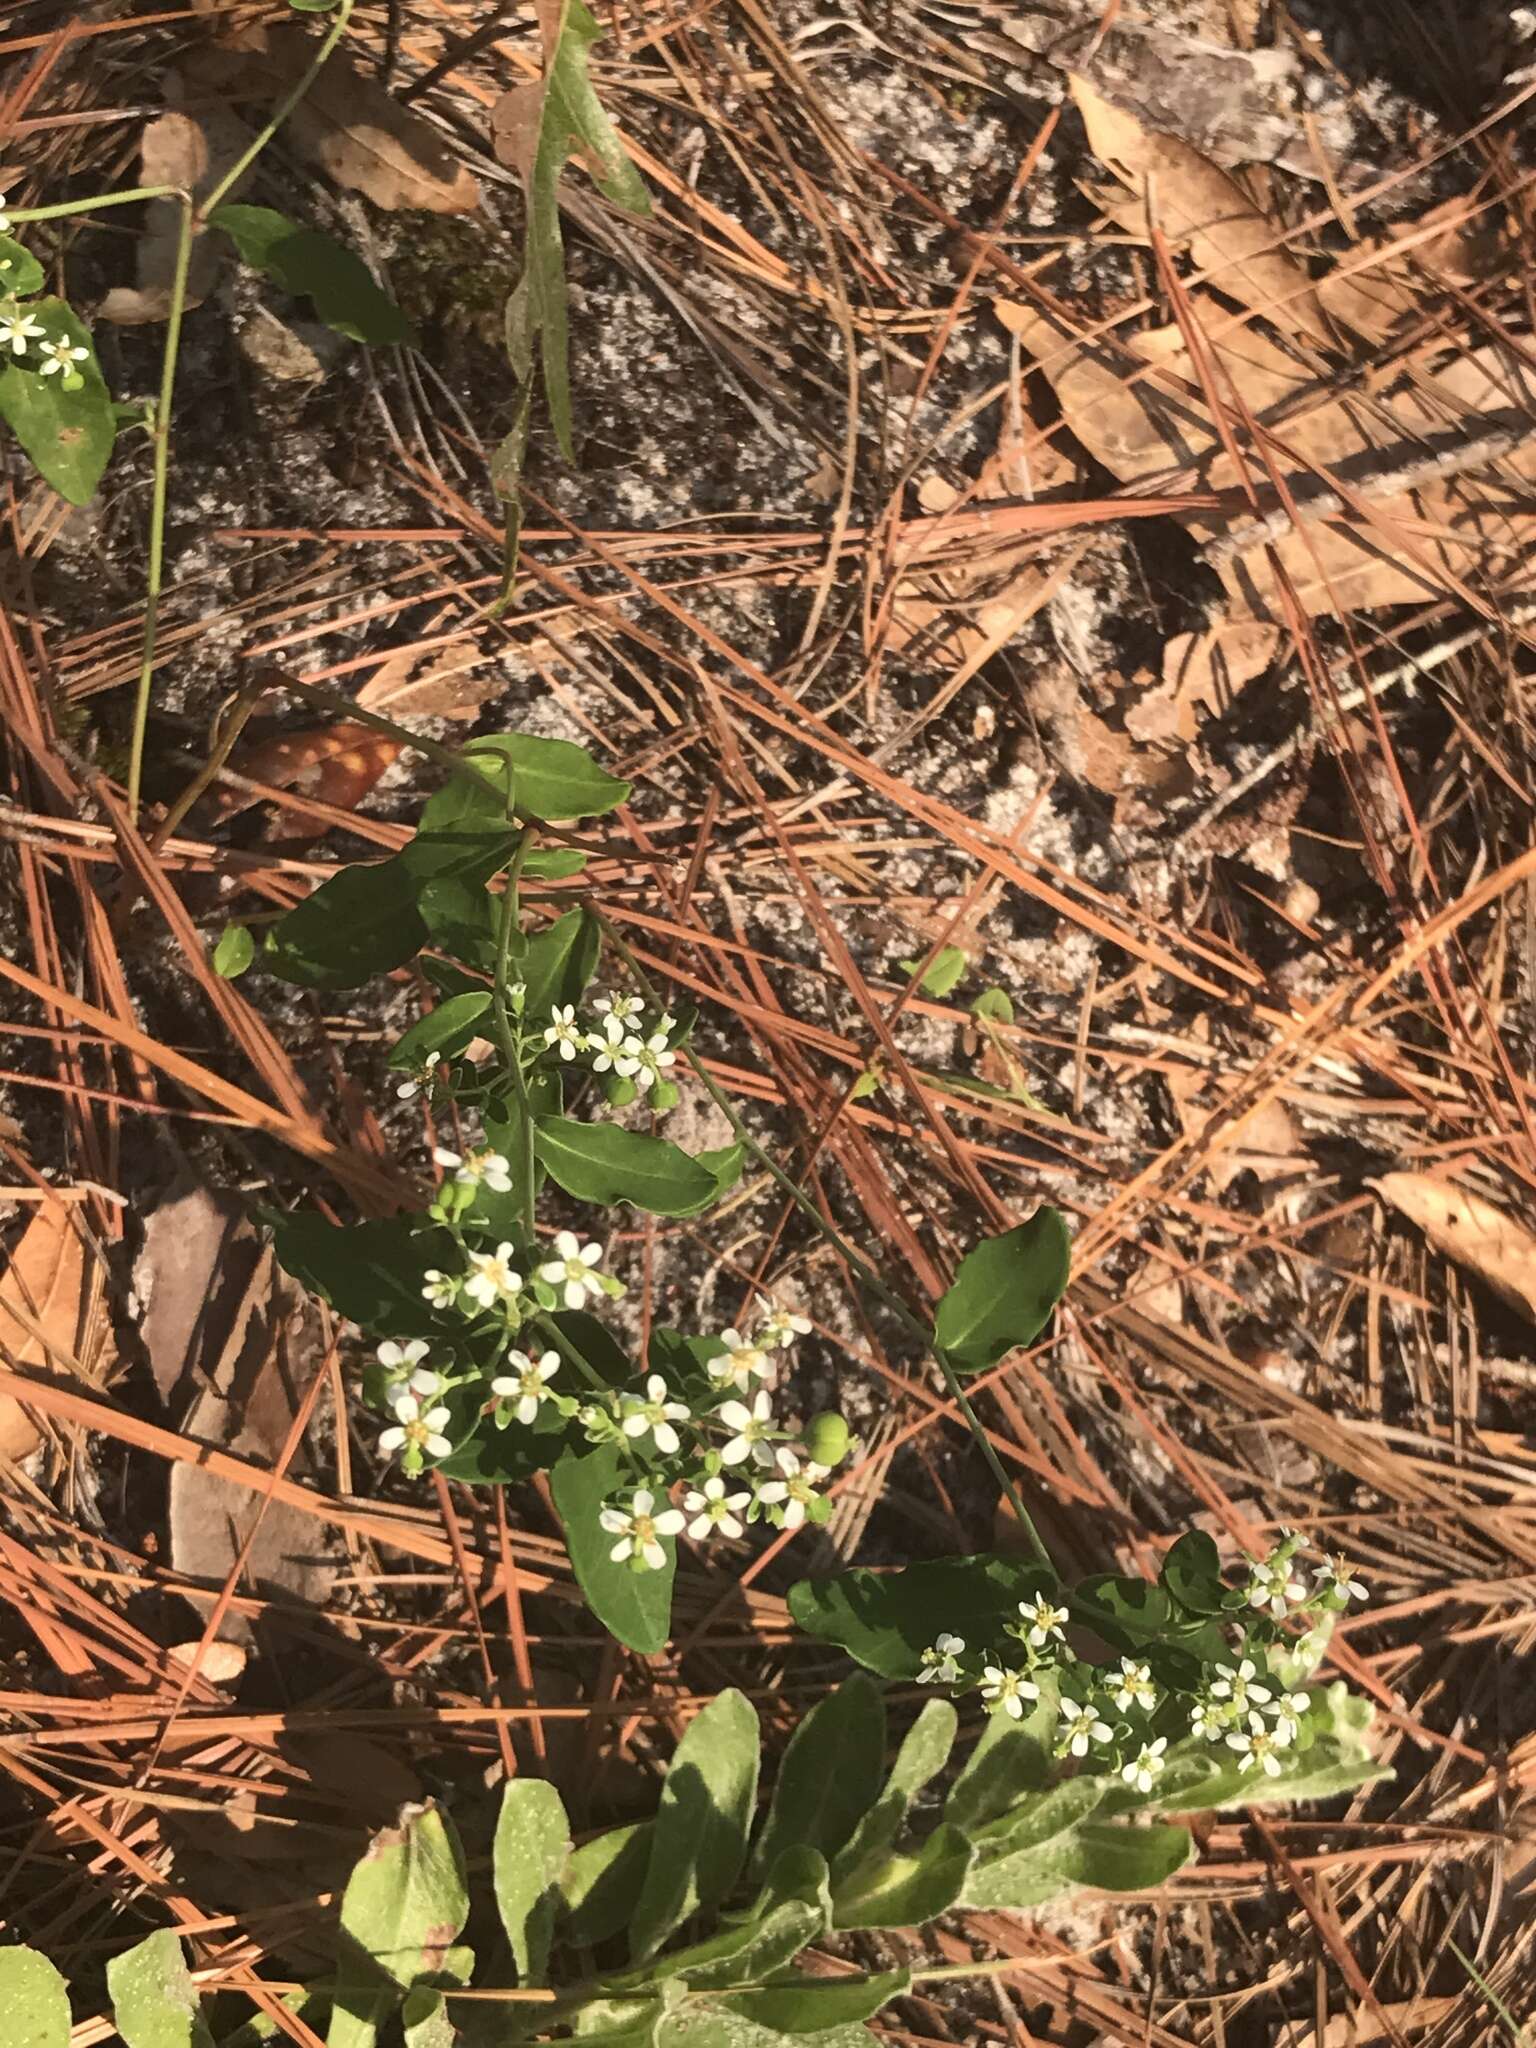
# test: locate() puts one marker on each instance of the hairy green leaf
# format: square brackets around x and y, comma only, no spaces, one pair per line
[1012,1758]
[559,962]
[68,434]
[533,1844]
[887,1620]
[1039,1816]
[905,1891]
[702,1820]
[830,1773]
[634,1606]
[1004,1292]
[601,1882]
[425,2020]
[154,2001]
[923,1754]
[313,266]
[405,1905]
[34,2002]
[1111,1858]
[605,1164]
[718,2025]
[810,2005]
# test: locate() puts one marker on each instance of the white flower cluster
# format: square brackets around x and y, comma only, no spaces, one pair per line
[20,329]
[1113,1714]
[622,1043]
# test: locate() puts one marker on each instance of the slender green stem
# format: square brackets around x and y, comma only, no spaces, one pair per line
[284,108]
[858,1264]
[509,1034]
[97,204]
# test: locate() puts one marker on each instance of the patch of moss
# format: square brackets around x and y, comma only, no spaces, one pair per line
[448,274]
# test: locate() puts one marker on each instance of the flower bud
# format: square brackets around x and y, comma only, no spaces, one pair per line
[826,1438]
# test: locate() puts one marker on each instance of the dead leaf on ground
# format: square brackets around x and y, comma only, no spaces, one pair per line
[1485,1239]
[410,685]
[230,1341]
[334,764]
[346,124]
[53,1314]
[1201,670]
[194,153]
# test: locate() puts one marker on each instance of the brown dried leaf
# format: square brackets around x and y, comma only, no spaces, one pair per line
[515,126]
[177,149]
[334,764]
[52,1314]
[1195,203]
[1206,669]
[1476,1234]
[402,687]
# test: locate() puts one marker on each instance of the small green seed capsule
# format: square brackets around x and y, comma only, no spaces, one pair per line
[826,1438]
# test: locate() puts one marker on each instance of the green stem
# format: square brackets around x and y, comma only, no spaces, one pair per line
[857,1263]
[284,108]
[510,1035]
[21,215]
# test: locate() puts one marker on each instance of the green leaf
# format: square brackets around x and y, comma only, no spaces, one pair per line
[446,1030]
[702,1820]
[1004,1292]
[67,434]
[34,2003]
[923,1754]
[1039,1816]
[532,1848]
[315,267]
[371,1273]
[945,969]
[605,1164]
[887,1620]
[746,1953]
[234,952]
[615,2023]
[571,121]
[405,1903]
[1132,1614]
[1011,1759]
[552,779]
[1112,1859]
[830,1774]
[808,2005]
[425,2020]
[601,1882]
[560,962]
[20,272]
[634,1606]
[1191,1574]
[154,2001]
[719,2026]
[905,1891]
[994,1005]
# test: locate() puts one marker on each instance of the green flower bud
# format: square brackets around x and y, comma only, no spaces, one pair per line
[826,1438]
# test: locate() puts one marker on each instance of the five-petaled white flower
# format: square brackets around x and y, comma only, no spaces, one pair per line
[646,1059]
[62,355]
[1134,1685]
[606,1044]
[1007,1690]
[413,1431]
[413,1084]
[1211,1719]
[714,1510]
[439,1288]
[1145,1769]
[739,1362]
[572,1271]
[1276,1585]
[639,1532]
[795,1489]
[941,1661]
[470,1169]
[1336,1576]
[1238,1686]
[527,1383]
[1288,1711]
[619,1010]
[781,1326]
[17,328]
[1258,1745]
[564,1031]
[751,1428]
[1045,1621]
[401,1359]
[654,1415]
[492,1277]
[1079,1726]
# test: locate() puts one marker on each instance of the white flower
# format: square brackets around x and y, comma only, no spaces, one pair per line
[1238,1688]
[1210,1719]
[639,1530]
[413,1431]
[1276,1585]
[441,1289]
[606,1044]
[491,1277]
[572,1271]
[1144,1770]
[564,1031]
[1336,1576]
[646,1059]
[739,1362]
[475,1167]
[17,328]
[781,1326]
[413,1084]
[398,1359]
[1079,1726]
[618,1010]
[1007,1690]
[1134,1685]
[1288,1711]
[712,1508]
[796,1489]
[940,1662]
[62,355]
[655,1414]
[528,1383]
[1257,1746]
[5,218]
[1045,1621]
[751,1427]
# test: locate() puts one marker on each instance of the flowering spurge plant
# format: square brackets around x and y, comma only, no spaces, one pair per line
[1185,1692]
[682,1928]
[492,1356]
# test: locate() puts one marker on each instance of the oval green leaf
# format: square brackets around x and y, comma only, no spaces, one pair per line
[532,1847]
[888,1619]
[67,434]
[604,1164]
[634,1606]
[702,1819]
[154,2001]
[20,272]
[34,2003]
[1004,1292]
[553,779]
